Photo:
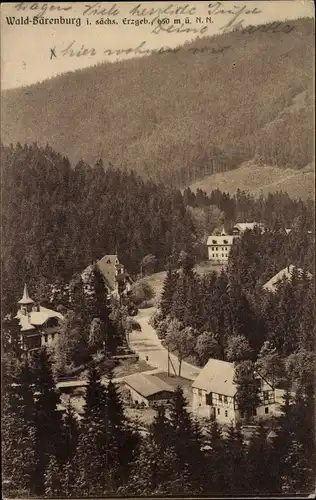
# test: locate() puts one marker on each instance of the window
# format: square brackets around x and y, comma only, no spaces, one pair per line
[220,397]
[218,411]
[266,410]
[200,392]
[226,413]
[254,412]
[266,396]
[53,336]
[225,399]
[208,399]
[45,338]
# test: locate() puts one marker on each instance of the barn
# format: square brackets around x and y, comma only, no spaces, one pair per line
[148,390]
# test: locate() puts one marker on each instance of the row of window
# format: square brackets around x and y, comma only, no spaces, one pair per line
[266,411]
[216,255]
[220,248]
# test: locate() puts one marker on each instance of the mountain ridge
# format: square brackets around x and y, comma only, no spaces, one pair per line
[179,117]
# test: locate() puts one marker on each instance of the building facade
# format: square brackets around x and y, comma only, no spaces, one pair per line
[214,394]
[219,247]
[39,326]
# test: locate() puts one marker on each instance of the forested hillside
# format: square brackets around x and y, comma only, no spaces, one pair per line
[56,219]
[178,117]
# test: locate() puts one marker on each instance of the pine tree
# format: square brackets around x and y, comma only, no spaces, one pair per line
[185,439]
[18,434]
[260,464]
[215,459]
[53,478]
[122,440]
[168,291]
[95,397]
[247,393]
[48,425]
[235,474]
[90,460]
[160,428]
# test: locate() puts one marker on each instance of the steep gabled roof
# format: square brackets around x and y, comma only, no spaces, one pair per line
[287,273]
[217,376]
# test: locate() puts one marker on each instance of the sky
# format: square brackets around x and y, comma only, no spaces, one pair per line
[33,52]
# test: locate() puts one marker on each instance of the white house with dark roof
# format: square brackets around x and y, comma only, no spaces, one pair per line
[214,393]
[219,247]
[241,227]
[284,274]
[148,390]
[39,326]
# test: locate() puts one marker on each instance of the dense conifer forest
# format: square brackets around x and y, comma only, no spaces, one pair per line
[57,220]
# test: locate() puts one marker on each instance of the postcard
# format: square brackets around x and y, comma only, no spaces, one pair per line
[158,249]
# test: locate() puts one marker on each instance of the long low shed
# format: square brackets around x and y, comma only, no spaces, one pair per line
[148,389]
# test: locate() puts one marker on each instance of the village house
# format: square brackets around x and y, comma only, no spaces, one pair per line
[284,274]
[241,227]
[148,390]
[214,394]
[117,280]
[39,326]
[219,247]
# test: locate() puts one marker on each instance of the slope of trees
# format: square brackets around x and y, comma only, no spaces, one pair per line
[57,220]
[201,113]
[230,317]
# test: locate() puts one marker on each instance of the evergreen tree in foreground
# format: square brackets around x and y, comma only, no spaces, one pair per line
[185,439]
[169,286]
[48,424]
[18,434]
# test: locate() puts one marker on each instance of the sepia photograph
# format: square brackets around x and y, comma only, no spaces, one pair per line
[158,333]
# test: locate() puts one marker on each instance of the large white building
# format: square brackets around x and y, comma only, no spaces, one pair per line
[214,393]
[219,247]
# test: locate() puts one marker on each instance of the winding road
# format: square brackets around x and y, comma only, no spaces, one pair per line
[149,348]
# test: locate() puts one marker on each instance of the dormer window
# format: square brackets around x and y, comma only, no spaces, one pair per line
[214,242]
[225,242]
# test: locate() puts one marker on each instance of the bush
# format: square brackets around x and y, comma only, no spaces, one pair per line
[136,326]
[142,292]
